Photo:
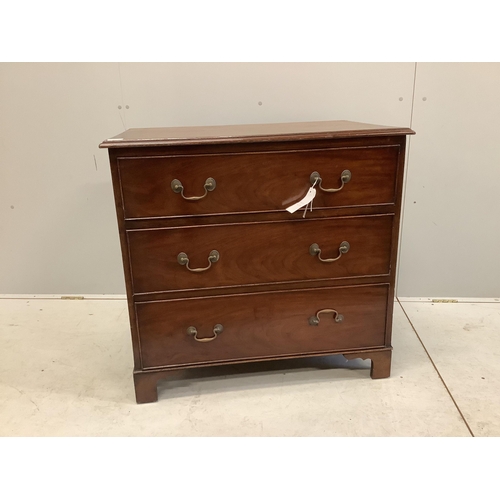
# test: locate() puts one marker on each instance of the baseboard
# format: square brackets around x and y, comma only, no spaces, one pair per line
[450,299]
[65,296]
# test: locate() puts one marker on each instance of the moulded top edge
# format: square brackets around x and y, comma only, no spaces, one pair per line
[219,134]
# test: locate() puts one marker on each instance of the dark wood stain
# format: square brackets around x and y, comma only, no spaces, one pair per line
[260,325]
[262,132]
[256,182]
[272,252]
[266,285]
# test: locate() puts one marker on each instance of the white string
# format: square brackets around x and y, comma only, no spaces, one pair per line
[311,203]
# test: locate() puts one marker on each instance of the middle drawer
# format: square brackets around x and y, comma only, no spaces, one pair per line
[195,257]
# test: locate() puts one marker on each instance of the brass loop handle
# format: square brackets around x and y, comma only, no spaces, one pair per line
[216,330]
[344,247]
[314,320]
[183,260]
[177,187]
[345,177]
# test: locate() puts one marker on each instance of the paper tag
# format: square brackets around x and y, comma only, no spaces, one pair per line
[304,201]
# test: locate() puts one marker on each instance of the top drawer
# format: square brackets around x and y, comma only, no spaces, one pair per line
[256,181]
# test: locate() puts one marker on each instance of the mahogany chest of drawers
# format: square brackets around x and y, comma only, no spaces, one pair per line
[217,270]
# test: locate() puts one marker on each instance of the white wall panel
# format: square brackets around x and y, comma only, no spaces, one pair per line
[58,231]
[451,226]
[183,94]
[61,236]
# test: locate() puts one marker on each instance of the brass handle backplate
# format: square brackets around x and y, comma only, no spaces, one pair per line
[217,329]
[314,320]
[177,187]
[183,260]
[345,177]
[344,247]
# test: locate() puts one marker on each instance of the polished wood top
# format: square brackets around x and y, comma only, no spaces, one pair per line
[219,134]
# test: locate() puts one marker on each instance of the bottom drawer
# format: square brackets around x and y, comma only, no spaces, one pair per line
[261,325]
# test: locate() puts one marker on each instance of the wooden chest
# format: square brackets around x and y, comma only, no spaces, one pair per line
[218,271]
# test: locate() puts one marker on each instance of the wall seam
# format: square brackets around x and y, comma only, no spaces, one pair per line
[122,112]
[403,199]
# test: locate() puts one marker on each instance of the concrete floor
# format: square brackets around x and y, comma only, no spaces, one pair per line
[66,365]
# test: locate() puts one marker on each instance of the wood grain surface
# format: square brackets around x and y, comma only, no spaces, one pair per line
[252,253]
[249,133]
[261,325]
[256,182]
[266,285]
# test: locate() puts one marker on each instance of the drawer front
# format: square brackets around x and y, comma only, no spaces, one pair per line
[255,182]
[259,253]
[261,325]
